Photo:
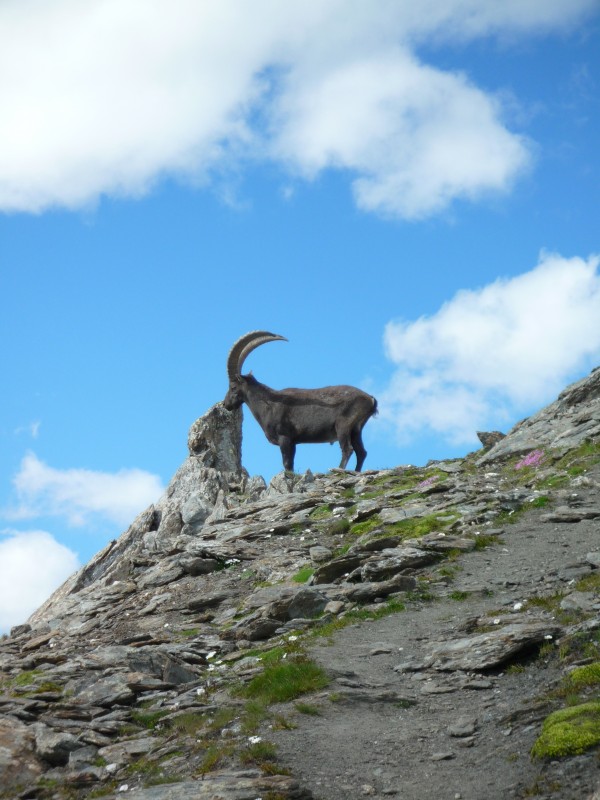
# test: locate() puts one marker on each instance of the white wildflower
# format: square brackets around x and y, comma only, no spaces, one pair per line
[518,606]
[254,739]
[292,638]
[497,621]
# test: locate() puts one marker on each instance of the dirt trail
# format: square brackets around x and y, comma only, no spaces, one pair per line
[426,735]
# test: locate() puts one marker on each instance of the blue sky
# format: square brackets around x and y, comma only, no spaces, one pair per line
[408,192]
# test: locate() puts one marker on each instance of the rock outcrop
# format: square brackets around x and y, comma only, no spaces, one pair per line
[141,674]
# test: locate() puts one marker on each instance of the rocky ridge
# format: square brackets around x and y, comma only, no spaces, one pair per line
[443,593]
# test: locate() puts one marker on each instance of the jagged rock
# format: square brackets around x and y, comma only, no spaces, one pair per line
[391,561]
[337,568]
[580,601]
[18,763]
[487,650]
[241,785]
[319,554]
[572,419]
[216,439]
[107,691]
[289,482]
[570,514]
[154,625]
[196,509]
[54,746]
[367,592]
[489,439]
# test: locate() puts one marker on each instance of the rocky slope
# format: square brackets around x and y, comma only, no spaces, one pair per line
[393,633]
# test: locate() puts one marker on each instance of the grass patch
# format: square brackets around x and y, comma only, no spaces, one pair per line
[147,719]
[26,678]
[286,680]
[416,527]
[393,606]
[484,540]
[190,632]
[320,512]
[307,708]
[584,677]
[338,527]
[258,752]
[540,502]
[459,596]
[360,528]
[303,574]
[589,583]
[569,732]
[215,754]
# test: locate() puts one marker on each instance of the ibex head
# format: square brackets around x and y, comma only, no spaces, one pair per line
[237,355]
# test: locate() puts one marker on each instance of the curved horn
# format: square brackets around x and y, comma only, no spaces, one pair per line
[244,346]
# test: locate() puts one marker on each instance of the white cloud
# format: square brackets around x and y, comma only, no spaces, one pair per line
[417,137]
[32,565]
[492,353]
[107,97]
[78,494]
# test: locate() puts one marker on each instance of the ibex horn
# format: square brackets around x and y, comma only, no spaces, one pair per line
[244,346]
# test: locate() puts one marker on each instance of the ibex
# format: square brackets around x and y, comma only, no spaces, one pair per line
[295,416]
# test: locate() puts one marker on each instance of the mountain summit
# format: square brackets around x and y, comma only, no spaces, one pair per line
[409,632]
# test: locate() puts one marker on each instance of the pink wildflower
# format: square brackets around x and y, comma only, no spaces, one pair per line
[533,459]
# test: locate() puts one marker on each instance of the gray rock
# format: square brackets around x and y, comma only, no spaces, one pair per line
[307,603]
[318,554]
[216,439]
[487,650]
[464,726]
[572,419]
[390,562]
[248,784]
[580,601]
[18,763]
[54,746]
[106,691]
[196,509]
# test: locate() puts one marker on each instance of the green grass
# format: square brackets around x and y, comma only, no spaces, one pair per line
[416,527]
[338,527]
[459,596]
[286,680]
[147,719]
[584,677]
[569,732]
[393,606]
[320,512]
[360,528]
[307,708]
[589,583]
[303,574]
[485,540]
